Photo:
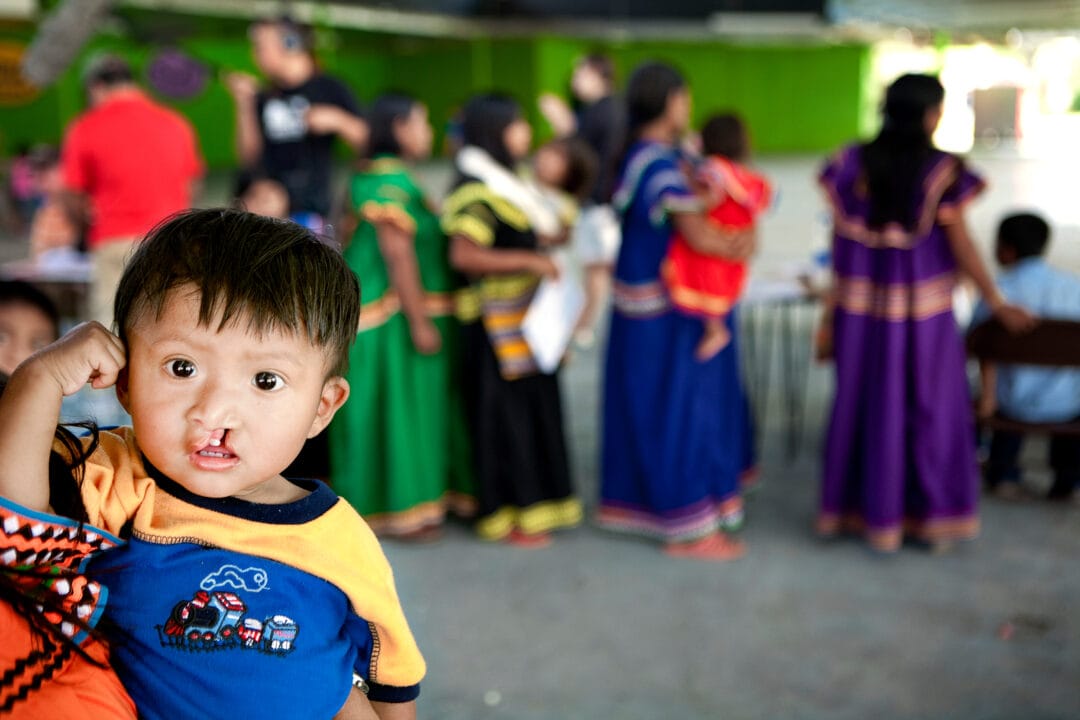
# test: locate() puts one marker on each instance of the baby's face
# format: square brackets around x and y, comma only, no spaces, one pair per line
[24,329]
[223,412]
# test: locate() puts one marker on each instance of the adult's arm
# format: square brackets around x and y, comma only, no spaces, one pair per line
[710,239]
[1015,318]
[325,119]
[244,89]
[395,711]
[357,707]
[988,389]
[558,114]
[473,259]
[397,248]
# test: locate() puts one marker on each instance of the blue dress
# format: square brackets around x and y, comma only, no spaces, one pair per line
[677,435]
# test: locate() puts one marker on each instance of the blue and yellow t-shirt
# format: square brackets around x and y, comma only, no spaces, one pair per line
[226,608]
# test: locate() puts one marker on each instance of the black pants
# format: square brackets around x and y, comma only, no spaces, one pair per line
[1064,459]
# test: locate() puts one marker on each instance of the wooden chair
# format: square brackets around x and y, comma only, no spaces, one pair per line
[1053,343]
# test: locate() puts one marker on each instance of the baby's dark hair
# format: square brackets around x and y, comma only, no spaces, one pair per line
[18,291]
[725,135]
[1026,233]
[272,273]
[582,166]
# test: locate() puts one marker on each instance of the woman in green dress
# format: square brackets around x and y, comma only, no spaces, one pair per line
[398,450]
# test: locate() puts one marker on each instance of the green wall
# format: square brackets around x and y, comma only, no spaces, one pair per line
[795,98]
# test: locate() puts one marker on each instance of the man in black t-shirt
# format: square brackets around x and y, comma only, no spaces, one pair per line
[287,130]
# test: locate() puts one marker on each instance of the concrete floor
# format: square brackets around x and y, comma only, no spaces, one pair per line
[603,626]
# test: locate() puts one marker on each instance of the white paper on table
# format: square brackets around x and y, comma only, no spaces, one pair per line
[553,314]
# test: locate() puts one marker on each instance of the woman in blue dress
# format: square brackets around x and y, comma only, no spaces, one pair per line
[677,438]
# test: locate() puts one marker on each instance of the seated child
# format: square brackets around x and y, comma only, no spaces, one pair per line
[236,588]
[53,659]
[707,285]
[29,321]
[59,222]
[1031,394]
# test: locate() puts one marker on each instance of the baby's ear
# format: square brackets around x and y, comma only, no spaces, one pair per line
[335,392]
[122,389]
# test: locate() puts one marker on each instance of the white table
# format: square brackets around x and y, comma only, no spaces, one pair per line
[62,275]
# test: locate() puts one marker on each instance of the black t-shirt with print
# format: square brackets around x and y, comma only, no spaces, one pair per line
[300,160]
[603,126]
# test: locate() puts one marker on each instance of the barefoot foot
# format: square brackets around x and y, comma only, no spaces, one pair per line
[717,547]
[712,342]
[517,538]
[420,536]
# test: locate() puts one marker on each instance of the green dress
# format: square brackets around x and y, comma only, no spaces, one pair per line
[398,447]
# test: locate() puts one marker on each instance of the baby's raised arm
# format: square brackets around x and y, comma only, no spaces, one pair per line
[30,406]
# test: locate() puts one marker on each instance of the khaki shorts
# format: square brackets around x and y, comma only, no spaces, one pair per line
[107,263]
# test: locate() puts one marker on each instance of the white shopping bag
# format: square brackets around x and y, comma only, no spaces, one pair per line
[553,314]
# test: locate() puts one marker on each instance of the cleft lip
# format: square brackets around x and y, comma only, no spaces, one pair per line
[213,447]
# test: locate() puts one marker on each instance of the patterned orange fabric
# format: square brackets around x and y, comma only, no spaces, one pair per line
[43,676]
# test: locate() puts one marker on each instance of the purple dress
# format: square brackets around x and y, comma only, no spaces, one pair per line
[900,454]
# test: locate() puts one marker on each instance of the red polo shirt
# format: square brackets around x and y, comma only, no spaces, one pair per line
[136,161]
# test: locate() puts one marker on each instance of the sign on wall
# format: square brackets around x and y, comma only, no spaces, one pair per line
[14,89]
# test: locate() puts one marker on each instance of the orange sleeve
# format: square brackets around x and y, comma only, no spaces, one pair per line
[114,484]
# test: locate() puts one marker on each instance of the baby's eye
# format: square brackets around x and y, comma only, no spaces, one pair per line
[268,381]
[181,368]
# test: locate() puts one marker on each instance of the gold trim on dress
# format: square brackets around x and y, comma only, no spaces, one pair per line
[895,301]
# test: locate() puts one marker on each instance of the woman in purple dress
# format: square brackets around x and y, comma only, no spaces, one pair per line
[900,454]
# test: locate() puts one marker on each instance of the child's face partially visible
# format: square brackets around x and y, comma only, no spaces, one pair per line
[268,198]
[517,137]
[24,329]
[1004,254]
[223,413]
[551,166]
[414,133]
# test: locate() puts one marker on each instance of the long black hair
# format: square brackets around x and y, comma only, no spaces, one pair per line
[894,159]
[386,112]
[647,93]
[53,647]
[484,122]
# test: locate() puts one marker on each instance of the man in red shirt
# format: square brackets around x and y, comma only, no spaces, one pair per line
[135,163]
